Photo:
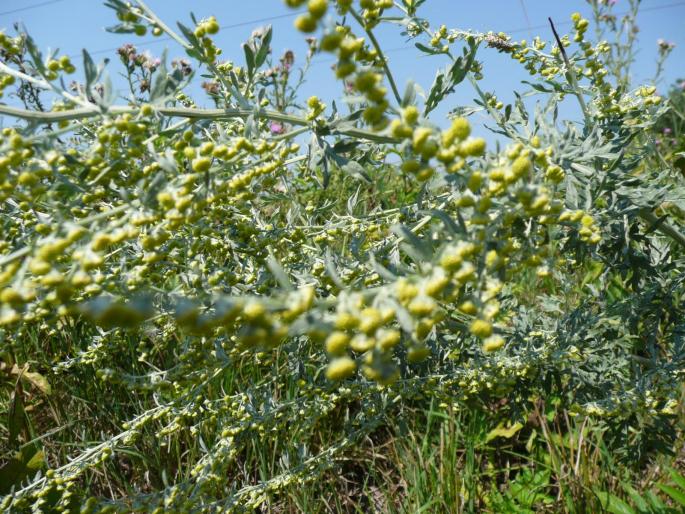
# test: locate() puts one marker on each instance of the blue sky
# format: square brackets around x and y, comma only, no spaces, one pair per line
[74,24]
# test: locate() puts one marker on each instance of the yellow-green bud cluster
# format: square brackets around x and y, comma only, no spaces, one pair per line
[372,10]
[581,25]
[450,147]
[203,31]
[308,22]
[53,66]
[316,108]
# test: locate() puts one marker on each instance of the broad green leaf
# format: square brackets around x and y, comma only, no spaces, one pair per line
[676,494]
[639,502]
[506,433]
[677,478]
[35,379]
[23,464]
[614,504]
[16,416]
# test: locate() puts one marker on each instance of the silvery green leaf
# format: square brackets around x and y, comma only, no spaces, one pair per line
[352,202]
[382,271]
[356,170]
[331,269]
[419,249]
[409,97]
[90,70]
[279,273]
[446,80]
[265,46]
[249,59]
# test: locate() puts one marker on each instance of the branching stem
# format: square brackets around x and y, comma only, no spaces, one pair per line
[381,55]
[190,113]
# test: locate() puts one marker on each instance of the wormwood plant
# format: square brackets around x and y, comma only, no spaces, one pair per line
[205,309]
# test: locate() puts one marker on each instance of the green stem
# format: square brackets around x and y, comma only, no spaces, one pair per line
[10,258]
[649,217]
[381,55]
[493,112]
[291,134]
[158,21]
[43,84]
[7,259]
[153,18]
[186,112]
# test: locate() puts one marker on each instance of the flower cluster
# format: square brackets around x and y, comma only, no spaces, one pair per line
[203,31]
[225,279]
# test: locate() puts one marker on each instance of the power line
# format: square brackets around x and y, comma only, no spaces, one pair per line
[562,23]
[231,26]
[34,6]
[323,61]
[514,31]
[262,20]
[525,16]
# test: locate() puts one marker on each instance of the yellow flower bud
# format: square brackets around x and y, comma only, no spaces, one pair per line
[346,321]
[410,114]
[493,343]
[473,147]
[416,354]
[371,319]
[331,41]
[468,307]
[201,164]
[475,181]
[11,296]
[361,343]
[305,23]
[521,167]
[341,368]
[460,130]
[337,342]
[481,328]
[422,306]
[420,138]
[388,338]
[317,8]
[39,267]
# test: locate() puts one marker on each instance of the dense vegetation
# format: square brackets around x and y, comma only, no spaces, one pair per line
[285,306]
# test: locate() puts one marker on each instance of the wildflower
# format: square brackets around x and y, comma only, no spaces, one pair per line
[183,65]
[665,46]
[211,87]
[277,128]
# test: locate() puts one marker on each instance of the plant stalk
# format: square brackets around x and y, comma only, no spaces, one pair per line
[381,56]
[189,113]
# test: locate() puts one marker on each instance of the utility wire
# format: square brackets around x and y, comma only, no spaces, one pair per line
[34,6]
[232,26]
[525,16]
[642,9]
[512,31]
[529,28]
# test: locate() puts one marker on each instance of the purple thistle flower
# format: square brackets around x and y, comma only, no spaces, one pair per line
[277,128]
